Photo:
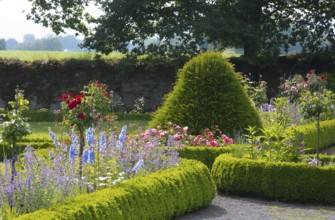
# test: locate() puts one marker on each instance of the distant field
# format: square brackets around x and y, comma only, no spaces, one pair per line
[24,55]
[52,55]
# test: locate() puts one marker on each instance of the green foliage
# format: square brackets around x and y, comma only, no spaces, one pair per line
[256,91]
[327,138]
[276,143]
[275,180]
[161,195]
[318,104]
[207,93]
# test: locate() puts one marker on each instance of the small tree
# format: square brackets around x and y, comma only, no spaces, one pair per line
[85,110]
[316,100]
[15,126]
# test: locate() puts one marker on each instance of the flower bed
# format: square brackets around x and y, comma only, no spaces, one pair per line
[160,195]
[275,180]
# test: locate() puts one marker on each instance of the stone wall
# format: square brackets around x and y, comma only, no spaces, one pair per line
[44,81]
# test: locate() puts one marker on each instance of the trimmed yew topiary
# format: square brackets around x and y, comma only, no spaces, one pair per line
[207,93]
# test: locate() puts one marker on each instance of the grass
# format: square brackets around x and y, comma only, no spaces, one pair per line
[53,55]
[40,129]
[33,55]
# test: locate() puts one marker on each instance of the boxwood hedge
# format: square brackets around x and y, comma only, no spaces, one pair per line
[275,180]
[160,195]
[204,154]
[327,137]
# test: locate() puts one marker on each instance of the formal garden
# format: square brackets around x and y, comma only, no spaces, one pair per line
[216,131]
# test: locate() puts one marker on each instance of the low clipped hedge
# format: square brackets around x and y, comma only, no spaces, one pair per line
[204,154]
[323,158]
[275,180]
[327,137]
[6,149]
[160,195]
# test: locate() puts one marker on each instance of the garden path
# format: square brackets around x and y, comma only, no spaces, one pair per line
[227,207]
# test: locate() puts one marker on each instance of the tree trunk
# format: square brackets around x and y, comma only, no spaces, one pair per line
[14,158]
[81,150]
[250,50]
[318,146]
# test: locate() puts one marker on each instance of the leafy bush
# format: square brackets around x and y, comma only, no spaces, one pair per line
[208,93]
[275,180]
[160,195]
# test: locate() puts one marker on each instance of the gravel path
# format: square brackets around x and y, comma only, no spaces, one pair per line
[227,207]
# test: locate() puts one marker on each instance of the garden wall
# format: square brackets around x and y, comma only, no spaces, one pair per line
[44,81]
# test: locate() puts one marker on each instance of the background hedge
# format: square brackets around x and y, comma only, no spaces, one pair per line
[160,195]
[275,180]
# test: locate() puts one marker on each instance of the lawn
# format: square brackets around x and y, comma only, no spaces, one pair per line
[40,129]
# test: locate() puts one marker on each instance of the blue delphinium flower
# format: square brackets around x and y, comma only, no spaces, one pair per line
[90,136]
[91,157]
[72,152]
[88,156]
[102,142]
[137,166]
[85,156]
[74,139]
[122,137]
[54,138]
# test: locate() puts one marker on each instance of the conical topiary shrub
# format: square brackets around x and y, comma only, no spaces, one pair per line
[207,93]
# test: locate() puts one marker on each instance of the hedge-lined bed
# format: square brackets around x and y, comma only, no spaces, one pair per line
[327,134]
[275,180]
[160,195]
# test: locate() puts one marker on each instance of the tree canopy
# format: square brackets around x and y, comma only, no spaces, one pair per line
[3,45]
[260,27]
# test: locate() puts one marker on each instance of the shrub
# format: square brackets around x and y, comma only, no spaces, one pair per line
[160,195]
[275,180]
[327,137]
[207,93]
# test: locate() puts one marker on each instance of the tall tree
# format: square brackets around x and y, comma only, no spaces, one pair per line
[261,27]
[48,43]
[11,44]
[3,45]
[28,38]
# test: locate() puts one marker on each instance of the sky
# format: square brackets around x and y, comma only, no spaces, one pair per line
[13,22]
